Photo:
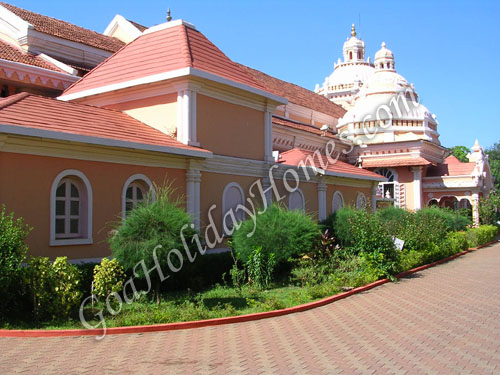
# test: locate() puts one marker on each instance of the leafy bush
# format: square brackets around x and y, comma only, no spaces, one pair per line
[54,287]
[260,268]
[108,277]
[479,236]
[278,230]
[13,250]
[456,242]
[453,220]
[489,209]
[151,224]
[411,259]
[87,277]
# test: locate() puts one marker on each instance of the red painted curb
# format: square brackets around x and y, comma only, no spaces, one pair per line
[220,321]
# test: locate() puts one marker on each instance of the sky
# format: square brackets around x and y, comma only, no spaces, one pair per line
[448,49]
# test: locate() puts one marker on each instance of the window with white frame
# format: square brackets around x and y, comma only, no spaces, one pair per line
[70,209]
[232,197]
[296,200]
[337,201]
[361,201]
[135,190]
[68,219]
[387,189]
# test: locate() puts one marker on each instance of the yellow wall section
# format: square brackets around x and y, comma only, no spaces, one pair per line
[349,193]
[160,112]
[229,129]
[26,192]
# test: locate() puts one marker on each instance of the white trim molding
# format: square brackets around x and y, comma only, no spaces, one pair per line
[87,237]
[225,207]
[321,201]
[136,177]
[337,194]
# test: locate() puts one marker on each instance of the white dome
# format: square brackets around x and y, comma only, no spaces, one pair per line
[384,53]
[347,74]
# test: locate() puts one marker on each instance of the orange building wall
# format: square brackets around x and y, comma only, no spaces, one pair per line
[349,193]
[25,189]
[229,129]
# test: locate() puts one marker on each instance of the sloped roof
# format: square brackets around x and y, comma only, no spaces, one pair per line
[66,30]
[451,167]
[165,50]
[53,117]
[301,126]
[295,156]
[296,94]
[13,53]
[139,27]
[394,161]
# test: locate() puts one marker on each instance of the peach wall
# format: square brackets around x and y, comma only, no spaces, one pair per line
[160,112]
[229,129]
[349,193]
[26,192]
[405,176]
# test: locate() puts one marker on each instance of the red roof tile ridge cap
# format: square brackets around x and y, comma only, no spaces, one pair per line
[186,47]
[13,99]
[97,66]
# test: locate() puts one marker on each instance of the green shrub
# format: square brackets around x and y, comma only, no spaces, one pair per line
[87,277]
[278,230]
[261,267]
[456,242]
[452,219]
[54,287]
[13,250]
[151,224]
[410,259]
[489,213]
[362,233]
[479,236]
[108,278]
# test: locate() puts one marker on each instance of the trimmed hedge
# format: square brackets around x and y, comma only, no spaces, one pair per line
[482,235]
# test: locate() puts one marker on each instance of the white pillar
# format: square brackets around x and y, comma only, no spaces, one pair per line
[321,201]
[374,197]
[475,209]
[187,117]
[268,136]
[193,179]
[417,188]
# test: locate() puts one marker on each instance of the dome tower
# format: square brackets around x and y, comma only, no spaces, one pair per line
[349,75]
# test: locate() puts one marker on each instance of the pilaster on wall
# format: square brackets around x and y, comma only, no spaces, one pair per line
[475,209]
[417,188]
[374,197]
[193,180]
[268,135]
[187,115]
[321,201]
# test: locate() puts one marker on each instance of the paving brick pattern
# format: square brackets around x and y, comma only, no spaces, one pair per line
[444,320]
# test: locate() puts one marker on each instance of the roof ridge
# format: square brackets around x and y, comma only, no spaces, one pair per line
[13,99]
[187,45]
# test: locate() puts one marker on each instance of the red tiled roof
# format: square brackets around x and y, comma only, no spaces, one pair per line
[66,30]
[13,53]
[391,161]
[296,94]
[451,167]
[37,112]
[301,126]
[296,156]
[163,51]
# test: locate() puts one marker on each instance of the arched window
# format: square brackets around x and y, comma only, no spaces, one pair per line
[337,201]
[386,189]
[361,201]
[232,197]
[70,209]
[134,191]
[296,200]
[350,55]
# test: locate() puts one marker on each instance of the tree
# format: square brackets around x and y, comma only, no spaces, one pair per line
[460,152]
[149,225]
[493,153]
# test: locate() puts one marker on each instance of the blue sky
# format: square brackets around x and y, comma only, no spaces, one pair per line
[448,49]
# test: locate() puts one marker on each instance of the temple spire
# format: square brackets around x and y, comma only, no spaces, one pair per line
[353,30]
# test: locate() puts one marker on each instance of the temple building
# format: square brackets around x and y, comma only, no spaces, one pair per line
[92,122]
[396,136]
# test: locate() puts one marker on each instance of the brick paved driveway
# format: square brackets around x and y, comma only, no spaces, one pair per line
[444,320]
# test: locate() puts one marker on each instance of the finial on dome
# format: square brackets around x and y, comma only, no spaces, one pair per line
[169,16]
[353,30]
[383,44]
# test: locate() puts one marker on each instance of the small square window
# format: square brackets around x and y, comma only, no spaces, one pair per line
[60,207]
[60,226]
[74,226]
[75,208]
